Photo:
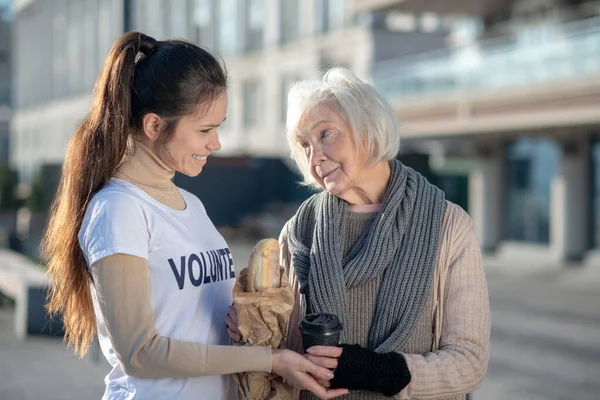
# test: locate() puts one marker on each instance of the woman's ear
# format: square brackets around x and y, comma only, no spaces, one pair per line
[151,124]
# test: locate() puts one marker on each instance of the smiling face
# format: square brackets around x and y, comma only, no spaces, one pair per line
[335,161]
[195,138]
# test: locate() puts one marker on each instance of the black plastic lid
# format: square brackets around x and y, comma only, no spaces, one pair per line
[321,322]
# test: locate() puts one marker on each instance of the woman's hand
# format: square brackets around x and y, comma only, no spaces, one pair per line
[298,371]
[231,320]
[324,356]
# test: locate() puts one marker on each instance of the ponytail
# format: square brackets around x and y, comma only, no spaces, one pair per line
[92,157]
[172,79]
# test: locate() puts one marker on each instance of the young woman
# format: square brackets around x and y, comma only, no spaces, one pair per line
[135,259]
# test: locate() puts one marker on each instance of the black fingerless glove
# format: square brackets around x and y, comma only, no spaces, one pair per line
[363,369]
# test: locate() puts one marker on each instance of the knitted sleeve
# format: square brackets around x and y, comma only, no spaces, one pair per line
[140,350]
[460,363]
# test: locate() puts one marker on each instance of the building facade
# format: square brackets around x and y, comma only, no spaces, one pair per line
[266,44]
[522,93]
[505,92]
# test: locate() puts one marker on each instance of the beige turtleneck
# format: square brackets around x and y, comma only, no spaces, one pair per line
[144,169]
[128,314]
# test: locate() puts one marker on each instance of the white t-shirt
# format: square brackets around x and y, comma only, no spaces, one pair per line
[191,278]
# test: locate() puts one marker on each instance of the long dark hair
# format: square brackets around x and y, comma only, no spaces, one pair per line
[140,76]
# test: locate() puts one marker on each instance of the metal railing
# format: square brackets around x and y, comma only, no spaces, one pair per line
[560,52]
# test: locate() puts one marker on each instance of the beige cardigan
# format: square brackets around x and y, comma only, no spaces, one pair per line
[461,315]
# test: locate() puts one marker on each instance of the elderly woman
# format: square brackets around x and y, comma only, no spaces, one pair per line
[382,249]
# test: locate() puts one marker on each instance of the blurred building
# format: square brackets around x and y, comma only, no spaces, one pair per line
[5,75]
[59,49]
[504,93]
[520,87]
[267,46]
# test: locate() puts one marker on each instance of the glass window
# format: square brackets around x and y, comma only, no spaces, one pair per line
[400,22]
[17,54]
[74,46]
[4,63]
[251,103]
[337,14]
[90,40]
[331,15]
[152,18]
[178,19]
[430,22]
[596,193]
[166,10]
[327,63]
[227,27]
[60,52]
[106,34]
[322,8]
[255,24]
[204,29]
[44,50]
[531,164]
[289,22]
[4,82]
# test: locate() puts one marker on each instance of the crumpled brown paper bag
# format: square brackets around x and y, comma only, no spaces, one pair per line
[262,320]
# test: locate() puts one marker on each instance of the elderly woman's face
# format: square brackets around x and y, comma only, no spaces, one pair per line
[329,147]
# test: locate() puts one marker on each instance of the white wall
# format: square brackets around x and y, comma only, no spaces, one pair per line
[486,195]
[570,208]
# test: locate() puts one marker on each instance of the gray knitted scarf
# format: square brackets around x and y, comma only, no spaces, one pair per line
[401,244]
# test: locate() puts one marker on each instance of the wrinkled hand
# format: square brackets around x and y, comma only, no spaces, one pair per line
[298,371]
[231,320]
[324,356]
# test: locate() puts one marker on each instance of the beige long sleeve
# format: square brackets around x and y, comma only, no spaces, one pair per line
[461,316]
[460,364]
[122,286]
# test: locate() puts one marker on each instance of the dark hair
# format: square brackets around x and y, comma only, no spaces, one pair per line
[140,76]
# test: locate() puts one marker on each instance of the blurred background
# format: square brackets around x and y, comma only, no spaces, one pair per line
[500,106]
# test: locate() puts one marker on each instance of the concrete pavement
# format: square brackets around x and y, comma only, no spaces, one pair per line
[41,368]
[545,341]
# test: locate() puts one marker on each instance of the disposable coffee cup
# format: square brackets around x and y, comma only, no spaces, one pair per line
[320,329]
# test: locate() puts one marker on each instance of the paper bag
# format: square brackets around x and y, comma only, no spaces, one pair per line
[262,320]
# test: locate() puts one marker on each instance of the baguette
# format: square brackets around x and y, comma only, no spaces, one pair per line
[264,270]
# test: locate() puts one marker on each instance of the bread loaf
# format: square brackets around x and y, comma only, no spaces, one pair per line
[264,270]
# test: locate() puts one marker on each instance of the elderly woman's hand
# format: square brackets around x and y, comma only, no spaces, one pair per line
[358,368]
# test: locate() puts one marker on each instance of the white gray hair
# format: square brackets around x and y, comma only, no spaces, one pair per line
[371,119]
